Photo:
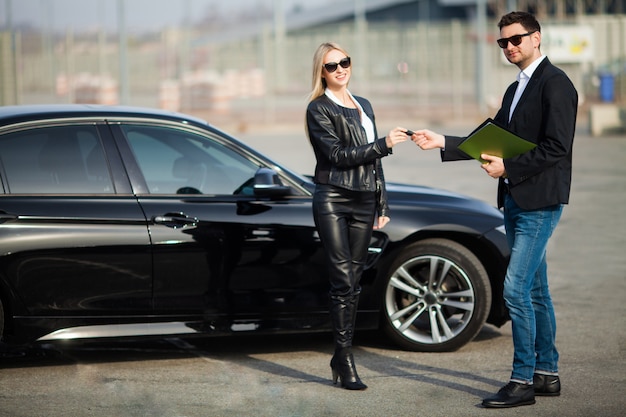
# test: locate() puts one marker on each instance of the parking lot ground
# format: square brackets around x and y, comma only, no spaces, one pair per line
[290,376]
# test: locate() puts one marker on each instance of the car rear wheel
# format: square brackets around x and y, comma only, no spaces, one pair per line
[437,296]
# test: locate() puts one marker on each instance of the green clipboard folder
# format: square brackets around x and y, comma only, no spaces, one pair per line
[491,139]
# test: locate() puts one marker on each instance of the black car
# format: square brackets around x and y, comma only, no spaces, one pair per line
[123,221]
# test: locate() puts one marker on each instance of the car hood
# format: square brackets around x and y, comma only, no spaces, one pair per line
[417,195]
[409,195]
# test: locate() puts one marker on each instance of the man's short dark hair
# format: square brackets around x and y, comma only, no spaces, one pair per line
[527,20]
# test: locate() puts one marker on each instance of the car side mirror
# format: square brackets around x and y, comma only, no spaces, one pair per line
[268,184]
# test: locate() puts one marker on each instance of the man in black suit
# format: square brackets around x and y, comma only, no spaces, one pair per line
[540,107]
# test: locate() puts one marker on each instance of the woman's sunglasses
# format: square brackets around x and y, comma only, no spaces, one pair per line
[515,40]
[332,66]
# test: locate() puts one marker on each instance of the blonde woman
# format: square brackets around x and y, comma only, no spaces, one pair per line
[349,192]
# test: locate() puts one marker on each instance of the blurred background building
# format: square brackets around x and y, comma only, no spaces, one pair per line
[250,62]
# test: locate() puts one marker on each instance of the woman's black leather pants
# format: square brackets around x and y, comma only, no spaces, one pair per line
[344,221]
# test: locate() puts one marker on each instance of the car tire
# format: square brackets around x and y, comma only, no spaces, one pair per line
[437,296]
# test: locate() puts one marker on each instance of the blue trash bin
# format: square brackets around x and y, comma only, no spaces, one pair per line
[607,84]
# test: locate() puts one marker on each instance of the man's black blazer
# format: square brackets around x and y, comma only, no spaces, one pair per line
[545,115]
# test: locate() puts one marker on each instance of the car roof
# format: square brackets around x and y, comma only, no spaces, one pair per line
[25,113]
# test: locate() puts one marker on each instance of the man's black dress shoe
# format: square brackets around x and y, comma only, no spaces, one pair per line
[512,394]
[547,385]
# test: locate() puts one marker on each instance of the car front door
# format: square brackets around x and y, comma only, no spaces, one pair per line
[218,248]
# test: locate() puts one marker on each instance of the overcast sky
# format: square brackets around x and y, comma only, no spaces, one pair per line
[141,15]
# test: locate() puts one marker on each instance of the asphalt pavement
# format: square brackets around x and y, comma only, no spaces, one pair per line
[290,375]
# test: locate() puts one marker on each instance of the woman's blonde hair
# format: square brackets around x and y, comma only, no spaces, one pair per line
[319,83]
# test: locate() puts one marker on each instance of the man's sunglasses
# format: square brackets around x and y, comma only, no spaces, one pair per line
[332,66]
[515,40]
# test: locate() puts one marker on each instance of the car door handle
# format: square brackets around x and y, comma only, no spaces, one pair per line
[5,217]
[176,220]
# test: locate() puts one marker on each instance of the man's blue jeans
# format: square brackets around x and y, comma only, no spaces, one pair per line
[526,291]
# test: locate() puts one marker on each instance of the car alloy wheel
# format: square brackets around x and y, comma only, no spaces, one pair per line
[437,296]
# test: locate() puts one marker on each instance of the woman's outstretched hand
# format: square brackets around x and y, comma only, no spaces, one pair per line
[395,136]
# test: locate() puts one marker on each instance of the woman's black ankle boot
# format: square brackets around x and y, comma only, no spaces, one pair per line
[342,365]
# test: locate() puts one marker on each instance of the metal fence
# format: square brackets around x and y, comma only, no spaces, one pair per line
[416,69]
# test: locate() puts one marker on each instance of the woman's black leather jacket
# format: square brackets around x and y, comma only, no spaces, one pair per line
[344,156]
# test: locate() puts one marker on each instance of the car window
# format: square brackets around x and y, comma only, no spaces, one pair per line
[56,159]
[175,161]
